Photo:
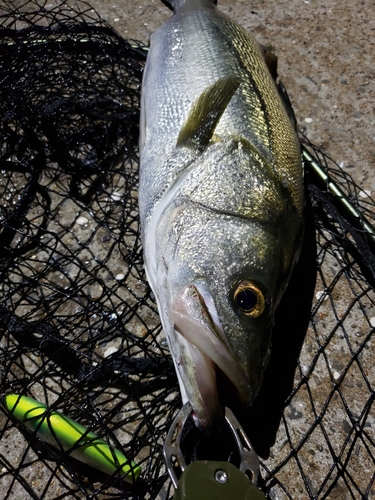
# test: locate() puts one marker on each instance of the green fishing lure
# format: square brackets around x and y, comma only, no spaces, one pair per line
[64,433]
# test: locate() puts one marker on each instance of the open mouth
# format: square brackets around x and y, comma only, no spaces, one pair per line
[219,376]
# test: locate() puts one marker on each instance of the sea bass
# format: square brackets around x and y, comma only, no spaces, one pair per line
[221,203]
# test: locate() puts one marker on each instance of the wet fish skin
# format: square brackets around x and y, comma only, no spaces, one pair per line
[221,200]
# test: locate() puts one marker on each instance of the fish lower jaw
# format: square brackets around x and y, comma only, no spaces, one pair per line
[207,410]
[213,391]
[205,354]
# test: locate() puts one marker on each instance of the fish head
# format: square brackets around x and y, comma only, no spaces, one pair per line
[226,256]
[223,316]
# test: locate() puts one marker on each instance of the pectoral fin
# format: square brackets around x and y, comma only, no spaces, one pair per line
[205,114]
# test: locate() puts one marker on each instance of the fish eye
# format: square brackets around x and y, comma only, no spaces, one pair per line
[249,299]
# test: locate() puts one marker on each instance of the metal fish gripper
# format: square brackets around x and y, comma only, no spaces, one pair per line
[207,479]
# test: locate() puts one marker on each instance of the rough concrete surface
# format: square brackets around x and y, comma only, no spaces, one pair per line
[326,55]
[325,51]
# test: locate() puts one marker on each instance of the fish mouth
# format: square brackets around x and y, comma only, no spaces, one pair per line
[217,376]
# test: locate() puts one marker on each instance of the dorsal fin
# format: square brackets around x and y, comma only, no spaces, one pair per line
[205,114]
[270,59]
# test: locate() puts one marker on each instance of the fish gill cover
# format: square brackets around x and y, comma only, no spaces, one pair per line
[79,327]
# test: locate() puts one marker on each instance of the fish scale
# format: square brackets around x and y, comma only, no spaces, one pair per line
[270,129]
[220,199]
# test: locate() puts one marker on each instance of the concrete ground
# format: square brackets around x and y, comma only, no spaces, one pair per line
[326,54]
[325,51]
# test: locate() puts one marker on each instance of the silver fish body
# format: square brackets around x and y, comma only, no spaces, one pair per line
[221,202]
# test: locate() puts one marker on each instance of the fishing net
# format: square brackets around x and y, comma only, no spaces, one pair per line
[79,326]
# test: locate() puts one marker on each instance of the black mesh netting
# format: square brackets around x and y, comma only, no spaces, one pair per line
[79,327]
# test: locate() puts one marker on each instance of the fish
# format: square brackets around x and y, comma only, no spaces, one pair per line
[221,203]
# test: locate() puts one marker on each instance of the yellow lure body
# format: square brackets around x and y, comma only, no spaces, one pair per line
[62,432]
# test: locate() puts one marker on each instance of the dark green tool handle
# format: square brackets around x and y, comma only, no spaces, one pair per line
[207,480]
